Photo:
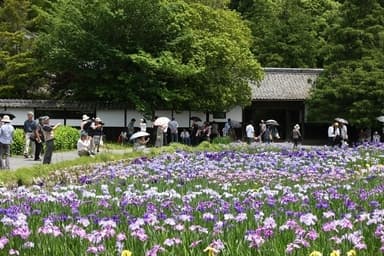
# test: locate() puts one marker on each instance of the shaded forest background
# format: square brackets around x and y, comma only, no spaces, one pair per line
[196,54]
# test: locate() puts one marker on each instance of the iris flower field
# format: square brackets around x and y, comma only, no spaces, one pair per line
[240,201]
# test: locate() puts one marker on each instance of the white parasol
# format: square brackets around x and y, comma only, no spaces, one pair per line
[380,119]
[341,120]
[162,121]
[139,135]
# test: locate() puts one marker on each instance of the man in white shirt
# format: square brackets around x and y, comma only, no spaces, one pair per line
[331,135]
[250,131]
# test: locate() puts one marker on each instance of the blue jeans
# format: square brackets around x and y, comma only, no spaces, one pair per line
[174,137]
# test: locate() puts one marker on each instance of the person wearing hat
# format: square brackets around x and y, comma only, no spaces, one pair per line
[29,127]
[85,122]
[95,132]
[6,139]
[49,138]
[296,135]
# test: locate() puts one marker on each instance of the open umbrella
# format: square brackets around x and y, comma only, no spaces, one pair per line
[3,113]
[162,121]
[139,135]
[380,119]
[272,122]
[341,120]
[195,118]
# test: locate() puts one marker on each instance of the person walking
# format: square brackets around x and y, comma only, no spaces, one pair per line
[250,132]
[49,138]
[173,126]
[29,127]
[6,139]
[296,135]
[38,138]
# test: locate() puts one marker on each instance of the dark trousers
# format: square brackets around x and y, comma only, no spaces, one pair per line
[5,152]
[38,148]
[174,137]
[50,146]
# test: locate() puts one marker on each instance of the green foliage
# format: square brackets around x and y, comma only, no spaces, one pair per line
[151,54]
[352,85]
[222,140]
[17,147]
[66,138]
[288,33]
[20,73]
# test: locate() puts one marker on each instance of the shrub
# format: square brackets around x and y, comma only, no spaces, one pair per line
[222,140]
[66,138]
[17,147]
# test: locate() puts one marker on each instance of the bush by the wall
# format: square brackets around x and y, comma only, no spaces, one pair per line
[65,139]
[17,147]
[222,140]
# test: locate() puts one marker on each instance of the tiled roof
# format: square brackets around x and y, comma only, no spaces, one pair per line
[285,84]
[58,104]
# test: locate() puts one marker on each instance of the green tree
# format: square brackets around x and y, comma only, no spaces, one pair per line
[352,85]
[20,75]
[151,54]
[288,33]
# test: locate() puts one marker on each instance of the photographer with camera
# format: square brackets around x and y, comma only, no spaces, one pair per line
[96,131]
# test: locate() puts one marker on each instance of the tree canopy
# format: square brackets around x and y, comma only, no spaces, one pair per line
[288,33]
[352,85]
[152,54]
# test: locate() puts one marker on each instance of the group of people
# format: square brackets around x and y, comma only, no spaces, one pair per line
[39,138]
[91,136]
[267,132]
[337,134]
[37,133]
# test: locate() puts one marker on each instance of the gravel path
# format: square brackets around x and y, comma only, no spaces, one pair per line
[17,162]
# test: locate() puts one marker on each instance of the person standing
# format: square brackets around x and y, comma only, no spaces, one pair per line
[173,126]
[250,131]
[49,138]
[6,139]
[39,139]
[331,134]
[296,135]
[185,137]
[214,130]
[344,134]
[262,129]
[376,137]
[194,133]
[143,125]
[29,127]
[96,135]
[159,136]
[131,128]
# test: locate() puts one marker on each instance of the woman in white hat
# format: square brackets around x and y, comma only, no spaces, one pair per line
[6,139]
